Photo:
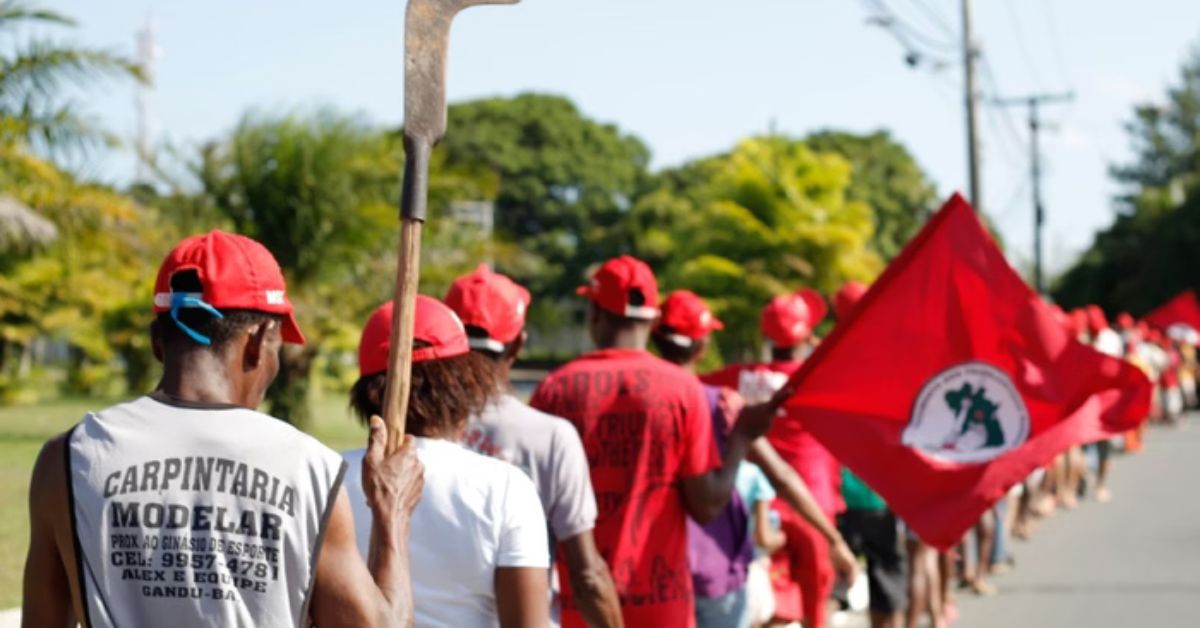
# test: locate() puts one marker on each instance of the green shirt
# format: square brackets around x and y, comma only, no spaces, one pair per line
[858,495]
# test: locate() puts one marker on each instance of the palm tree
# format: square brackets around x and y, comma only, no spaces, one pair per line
[34,73]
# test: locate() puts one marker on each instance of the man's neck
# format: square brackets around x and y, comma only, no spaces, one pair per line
[199,377]
[627,339]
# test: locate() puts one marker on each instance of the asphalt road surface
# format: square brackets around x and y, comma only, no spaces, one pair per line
[1132,562]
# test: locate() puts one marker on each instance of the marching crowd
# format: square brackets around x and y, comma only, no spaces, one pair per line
[632,488]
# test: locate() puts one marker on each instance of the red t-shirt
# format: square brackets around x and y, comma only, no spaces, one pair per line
[645,425]
[814,463]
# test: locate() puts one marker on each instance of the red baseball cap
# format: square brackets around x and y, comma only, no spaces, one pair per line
[1095,318]
[688,317]
[786,321]
[848,297]
[1124,320]
[612,284]
[434,323]
[491,302]
[235,273]
[1079,321]
[818,308]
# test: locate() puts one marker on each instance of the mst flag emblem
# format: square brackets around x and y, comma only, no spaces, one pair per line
[951,381]
[970,412]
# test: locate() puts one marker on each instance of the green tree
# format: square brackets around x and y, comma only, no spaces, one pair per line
[565,181]
[89,288]
[1147,255]
[316,190]
[887,179]
[35,73]
[769,217]
[319,190]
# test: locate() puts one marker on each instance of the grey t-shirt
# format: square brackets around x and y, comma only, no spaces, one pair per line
[548,449]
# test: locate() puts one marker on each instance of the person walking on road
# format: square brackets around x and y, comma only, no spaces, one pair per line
[187,508]
[647,432]
[480,553]
[547,448]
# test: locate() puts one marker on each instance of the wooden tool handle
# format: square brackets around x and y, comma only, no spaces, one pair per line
[399,374]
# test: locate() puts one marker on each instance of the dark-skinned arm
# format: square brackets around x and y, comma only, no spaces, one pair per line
[47,598]
[346,591]
[791,487]
[521,597]
[591,583]
[706,494]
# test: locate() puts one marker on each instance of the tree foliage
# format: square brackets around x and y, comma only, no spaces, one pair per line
[565,180]
[888,180]
[1148,253]
[319,191]
[35,73]
[89,289]
[769,217]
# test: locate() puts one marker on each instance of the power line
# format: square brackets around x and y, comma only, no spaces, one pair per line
[1015,19]
[1033,102]
[936,17]
[1056,42]
[1010,125]
[890,20]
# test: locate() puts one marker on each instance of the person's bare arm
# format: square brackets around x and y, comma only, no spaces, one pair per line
[591,583]
[346,592]
[47,598]
[794,491]
[705,495]
[765,535]
[521,597]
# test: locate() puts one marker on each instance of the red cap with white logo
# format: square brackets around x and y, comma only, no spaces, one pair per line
[235,272]
[492,302]
[614,283]
[434,324]
[687,318]
[786,321]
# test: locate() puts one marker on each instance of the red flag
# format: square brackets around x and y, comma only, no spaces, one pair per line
[1184,310]
[952,381]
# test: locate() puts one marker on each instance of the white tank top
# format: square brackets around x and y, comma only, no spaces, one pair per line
[197,516]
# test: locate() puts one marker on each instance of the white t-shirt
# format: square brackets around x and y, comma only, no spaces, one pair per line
[476,514]
[192,515]
[1109,342]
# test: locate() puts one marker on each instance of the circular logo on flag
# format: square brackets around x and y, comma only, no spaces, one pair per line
[970,412]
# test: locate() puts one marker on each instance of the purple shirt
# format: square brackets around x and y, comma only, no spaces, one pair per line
[719,553]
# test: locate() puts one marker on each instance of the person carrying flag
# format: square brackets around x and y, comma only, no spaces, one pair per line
[547,448]
[802,572]
[647,432]
[187,508]
[721,550]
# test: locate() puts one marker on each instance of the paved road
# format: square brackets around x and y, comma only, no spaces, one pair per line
[1133,562]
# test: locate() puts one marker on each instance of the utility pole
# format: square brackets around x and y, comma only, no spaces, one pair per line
[970,55]
[1035,165]
[147,53]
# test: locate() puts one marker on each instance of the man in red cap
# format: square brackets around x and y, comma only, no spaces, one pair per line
[186,507]
[802,572]
[547,448]
[721,550]
[648,436]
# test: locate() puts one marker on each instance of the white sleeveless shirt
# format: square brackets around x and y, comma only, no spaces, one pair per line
[197,516]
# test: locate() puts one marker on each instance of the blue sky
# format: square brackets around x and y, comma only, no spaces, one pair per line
[690,77]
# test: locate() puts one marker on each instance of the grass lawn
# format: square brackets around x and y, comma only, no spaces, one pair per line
[24,429]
